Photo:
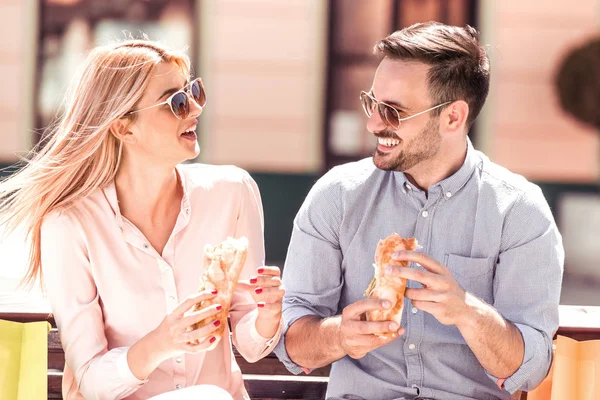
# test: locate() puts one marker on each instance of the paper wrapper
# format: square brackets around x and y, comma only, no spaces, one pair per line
[24,360]
[575,372]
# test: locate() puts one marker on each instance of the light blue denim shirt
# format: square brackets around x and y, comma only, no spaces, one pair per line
[493,229]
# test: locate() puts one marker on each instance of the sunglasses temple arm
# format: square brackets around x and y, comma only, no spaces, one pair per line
[423,112]
[152,106]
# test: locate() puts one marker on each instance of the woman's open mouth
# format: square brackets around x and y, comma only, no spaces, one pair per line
[189,135]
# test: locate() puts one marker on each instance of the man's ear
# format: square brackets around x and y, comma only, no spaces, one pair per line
[120,129]
[455,116]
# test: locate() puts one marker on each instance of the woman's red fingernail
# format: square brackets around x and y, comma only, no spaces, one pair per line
[217,323]
[212,339]
[258,290]
[260,305]
[219,307]
[214,292]
[253,280]
[261,270]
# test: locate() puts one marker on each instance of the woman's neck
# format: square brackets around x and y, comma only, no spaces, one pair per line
[150,190]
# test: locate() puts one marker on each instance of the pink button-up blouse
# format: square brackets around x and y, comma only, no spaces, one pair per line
[108,287]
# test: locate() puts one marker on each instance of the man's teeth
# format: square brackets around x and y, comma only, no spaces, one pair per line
[388,142]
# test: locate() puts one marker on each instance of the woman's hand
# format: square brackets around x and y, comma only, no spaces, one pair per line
[267,291]
[174,336]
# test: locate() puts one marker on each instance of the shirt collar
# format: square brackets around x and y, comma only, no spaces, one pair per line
[454,182]
[110,192]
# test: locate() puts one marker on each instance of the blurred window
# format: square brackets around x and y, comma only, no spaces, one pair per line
[70,28]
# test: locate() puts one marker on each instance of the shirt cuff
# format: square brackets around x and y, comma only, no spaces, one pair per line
[123,370]
[500,383]
[268,342]
[535,366]
[291,315]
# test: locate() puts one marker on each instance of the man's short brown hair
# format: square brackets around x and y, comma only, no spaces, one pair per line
[460,67]
[578,83]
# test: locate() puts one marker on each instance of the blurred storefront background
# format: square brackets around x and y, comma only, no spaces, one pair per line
[283,79]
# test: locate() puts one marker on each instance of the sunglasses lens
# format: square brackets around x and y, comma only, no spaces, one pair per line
[198,93]
[180,105]
[367,104]
[389,116]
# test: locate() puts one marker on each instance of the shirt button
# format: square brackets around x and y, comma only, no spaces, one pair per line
[172,298]
[179,360]
[412,346]
[145,245]
[425,214]
[407,186]
[178,386]
[414,310]
[448,194]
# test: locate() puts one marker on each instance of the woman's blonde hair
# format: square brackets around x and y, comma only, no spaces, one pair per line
[79,154]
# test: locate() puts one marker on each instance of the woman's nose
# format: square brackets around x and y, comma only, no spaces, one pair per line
[195,108]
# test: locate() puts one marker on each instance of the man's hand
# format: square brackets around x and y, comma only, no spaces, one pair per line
[496,342]
[441,296]
[357,337]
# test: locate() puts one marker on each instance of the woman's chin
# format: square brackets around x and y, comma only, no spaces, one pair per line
[191,152]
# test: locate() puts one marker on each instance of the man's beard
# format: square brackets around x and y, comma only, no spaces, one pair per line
[422,147]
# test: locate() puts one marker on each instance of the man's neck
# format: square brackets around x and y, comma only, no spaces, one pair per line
[433,171]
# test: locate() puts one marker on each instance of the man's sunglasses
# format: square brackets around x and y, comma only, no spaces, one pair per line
[179,101]
[388,113]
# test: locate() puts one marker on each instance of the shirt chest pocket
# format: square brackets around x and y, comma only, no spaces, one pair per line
[475,275]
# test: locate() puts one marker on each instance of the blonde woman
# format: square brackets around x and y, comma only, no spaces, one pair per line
[117,229]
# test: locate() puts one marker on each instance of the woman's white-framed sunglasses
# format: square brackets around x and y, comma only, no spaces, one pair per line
[180,100]
[389,114]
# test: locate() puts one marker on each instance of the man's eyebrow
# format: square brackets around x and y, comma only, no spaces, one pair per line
[392,103]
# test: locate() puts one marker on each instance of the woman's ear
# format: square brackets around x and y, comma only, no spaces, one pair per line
[120,129]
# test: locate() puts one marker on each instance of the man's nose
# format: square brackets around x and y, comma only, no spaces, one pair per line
[375,123]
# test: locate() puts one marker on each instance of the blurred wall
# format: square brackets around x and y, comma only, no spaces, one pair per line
[18,44]
[522,126]
[264,63]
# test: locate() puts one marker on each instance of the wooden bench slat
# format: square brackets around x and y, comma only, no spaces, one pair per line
[258,386]
[285,387]
[54,381]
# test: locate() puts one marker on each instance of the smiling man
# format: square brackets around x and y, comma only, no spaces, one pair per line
[482,299]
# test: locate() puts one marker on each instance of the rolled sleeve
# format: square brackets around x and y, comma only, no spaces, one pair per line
[533,257]
[312,274]
[291,315]
[535,365]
